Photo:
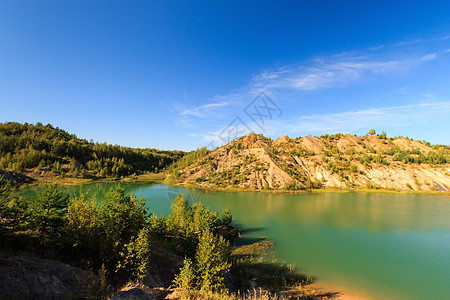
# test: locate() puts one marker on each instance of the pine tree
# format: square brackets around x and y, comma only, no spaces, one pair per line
[121,216]
[186,278]
[213,261]
[136,256]
[178,218]
[226,216]
[48,209]
[56,167]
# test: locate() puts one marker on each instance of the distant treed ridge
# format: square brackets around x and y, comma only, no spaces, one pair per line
[41,149]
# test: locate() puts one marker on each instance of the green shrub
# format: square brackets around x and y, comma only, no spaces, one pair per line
[136,257]
[186,279]
[226,216]
[201,218]
[122,216]
[82,227]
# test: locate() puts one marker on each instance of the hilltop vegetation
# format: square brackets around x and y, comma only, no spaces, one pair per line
[339,161]
[43,150]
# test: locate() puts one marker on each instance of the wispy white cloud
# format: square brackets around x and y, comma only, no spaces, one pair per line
[203,110]
[430,56]
[326,72]
[420,41]
[323,73]
[330,72]
[216,109]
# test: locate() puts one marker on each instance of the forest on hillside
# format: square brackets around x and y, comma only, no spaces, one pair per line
[42,149]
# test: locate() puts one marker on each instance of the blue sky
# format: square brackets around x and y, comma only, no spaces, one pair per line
[180,75]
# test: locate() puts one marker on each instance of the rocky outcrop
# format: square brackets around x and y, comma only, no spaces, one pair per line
[337,161]
[142,292]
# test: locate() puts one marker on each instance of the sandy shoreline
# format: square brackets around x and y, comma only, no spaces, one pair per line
[342,293]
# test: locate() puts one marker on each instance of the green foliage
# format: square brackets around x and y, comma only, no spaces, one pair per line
[47,210]
[370,186]
[5,191]
[115,236]
[310,184]
[112,232]
[194,226]
[82,227]
[332,167]
[200,179]
[350,151]
[136,257]
[186,279]
[226,216]
[157,225]
[56,167]
[93,287]
[379,159]
[213,261]
[190,158]
[273,150]
[178,218]
[187,219]
[258,261]
[201,218]
[25,146]
[12,209]
[415,156]
[371,132]
[365,159]
[121,216]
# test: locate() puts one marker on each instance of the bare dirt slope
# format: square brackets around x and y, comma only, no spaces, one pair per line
[30,277]
[256,162]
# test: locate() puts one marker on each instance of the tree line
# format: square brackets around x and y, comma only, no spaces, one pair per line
[46,148]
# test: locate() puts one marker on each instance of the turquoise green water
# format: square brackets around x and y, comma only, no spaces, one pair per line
[384,246]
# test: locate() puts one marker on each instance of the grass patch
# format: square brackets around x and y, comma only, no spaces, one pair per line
[255,265]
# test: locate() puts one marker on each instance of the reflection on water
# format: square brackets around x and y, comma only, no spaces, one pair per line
[386,245]
[371,212]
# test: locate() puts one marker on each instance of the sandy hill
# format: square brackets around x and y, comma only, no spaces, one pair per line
[340,160]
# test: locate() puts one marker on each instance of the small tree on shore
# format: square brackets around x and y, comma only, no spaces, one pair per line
[186,278]
[226,217]
[47,210]
[178,218]
[213,261]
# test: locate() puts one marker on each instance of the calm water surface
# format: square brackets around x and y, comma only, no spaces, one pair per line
[384,246]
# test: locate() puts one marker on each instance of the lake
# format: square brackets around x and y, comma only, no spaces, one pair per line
[381,246]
